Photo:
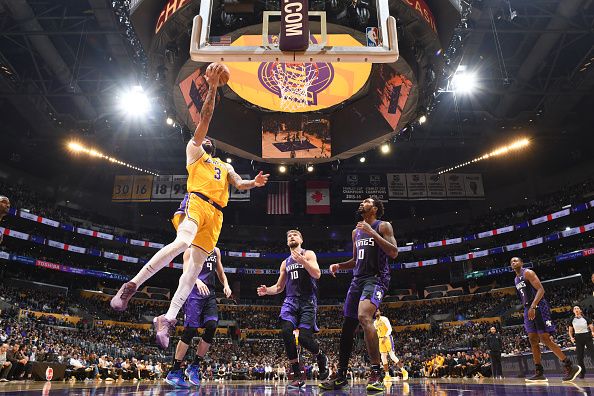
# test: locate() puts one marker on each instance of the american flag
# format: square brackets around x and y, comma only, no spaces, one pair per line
[278,201]
[220,41]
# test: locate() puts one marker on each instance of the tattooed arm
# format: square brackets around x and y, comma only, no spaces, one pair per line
[236,181]
[212,79]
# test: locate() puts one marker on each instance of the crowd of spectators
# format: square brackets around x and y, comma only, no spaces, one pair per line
[23,197]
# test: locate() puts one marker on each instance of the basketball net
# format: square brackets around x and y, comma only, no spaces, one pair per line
[293,81]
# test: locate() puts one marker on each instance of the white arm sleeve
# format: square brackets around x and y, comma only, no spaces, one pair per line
[193,151]
[388,325]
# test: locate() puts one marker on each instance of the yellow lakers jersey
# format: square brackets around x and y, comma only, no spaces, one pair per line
[381,328]
[208,176]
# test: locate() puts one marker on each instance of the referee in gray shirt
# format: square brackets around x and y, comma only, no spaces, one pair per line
[581,332]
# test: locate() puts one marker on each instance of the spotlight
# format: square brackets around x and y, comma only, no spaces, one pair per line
[422,119]
[464,82]
[229,160]
[310,168]
[385,148]
[76,147]
[362,159]
[282,169]
[134,102]
[169,121]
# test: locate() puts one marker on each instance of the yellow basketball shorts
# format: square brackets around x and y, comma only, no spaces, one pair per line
[208,219]
[386,344]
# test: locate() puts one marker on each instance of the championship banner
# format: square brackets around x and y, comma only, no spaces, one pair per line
[239,195]
[411,186]
[416,185]
[436,187]
[397,186]
[473,186]
[455,185]
[357,187]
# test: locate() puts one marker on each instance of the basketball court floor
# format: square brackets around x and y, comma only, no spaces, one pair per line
[414,387]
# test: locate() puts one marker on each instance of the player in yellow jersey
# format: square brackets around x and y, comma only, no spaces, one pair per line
[208,188]
[386,344]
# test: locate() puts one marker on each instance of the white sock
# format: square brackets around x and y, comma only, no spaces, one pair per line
[185,235]
[186,282]
[160,260]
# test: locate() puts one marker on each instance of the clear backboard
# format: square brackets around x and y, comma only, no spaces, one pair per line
[351,31]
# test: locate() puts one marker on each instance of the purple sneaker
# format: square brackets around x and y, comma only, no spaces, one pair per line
[162,328]
[119,302]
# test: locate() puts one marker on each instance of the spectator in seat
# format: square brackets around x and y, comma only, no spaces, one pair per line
[5,365]
[18,361]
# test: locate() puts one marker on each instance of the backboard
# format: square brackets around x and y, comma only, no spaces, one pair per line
[369,24]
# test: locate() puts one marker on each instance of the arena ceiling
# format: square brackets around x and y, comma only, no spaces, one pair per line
[62,63]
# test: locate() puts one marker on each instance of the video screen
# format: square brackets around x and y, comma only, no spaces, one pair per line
[296,136]
[393,94]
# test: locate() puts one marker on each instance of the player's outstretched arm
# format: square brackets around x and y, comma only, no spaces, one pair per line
[236,181]
[221,274]
[278,287]
[212,79]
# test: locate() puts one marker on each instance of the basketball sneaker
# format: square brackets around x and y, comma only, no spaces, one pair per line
[322,360]
[193,374]
[176,378]
[538,375]
[336,382]
[162,328]
[571,370]
[297,383]
[119,302]
[375,381]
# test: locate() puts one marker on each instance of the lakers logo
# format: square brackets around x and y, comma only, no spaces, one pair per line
[314,86]
[311,77]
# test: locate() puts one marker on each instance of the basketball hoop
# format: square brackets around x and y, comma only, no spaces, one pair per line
[293,81]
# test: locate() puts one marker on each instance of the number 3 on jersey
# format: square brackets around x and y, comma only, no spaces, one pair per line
[217,175]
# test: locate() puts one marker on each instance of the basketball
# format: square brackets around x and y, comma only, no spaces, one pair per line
[224,77]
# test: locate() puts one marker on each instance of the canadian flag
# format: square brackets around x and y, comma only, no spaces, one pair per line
[318,197]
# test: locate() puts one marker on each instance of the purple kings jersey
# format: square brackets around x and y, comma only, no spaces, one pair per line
[370,259]
[299,282]
[525,290]
[207,275]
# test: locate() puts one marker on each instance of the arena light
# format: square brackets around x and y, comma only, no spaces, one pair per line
[385,148]
[517,145]
[464,82]
[169,121]
[282,169]
[310,168]
[78,148]
[422,119]
[362,160]
[134,101]
[229,160]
